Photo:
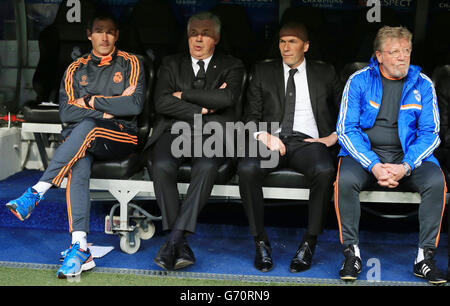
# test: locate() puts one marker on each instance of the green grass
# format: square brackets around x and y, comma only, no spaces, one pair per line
[36,277]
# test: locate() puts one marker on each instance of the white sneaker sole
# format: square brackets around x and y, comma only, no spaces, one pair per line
[84,267]
[431,282]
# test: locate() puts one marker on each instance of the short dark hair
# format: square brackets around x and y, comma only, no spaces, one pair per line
[102,15]
[296,27]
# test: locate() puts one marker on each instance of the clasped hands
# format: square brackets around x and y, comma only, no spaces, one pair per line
[388,175]
[275,144]
[204,110]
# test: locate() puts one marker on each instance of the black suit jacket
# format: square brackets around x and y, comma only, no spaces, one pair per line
[266,94]
[176,74]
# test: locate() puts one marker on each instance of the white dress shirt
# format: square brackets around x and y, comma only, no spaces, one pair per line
[196,67]
[304,120]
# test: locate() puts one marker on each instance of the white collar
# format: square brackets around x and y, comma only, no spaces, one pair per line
[300,68]
[206,61]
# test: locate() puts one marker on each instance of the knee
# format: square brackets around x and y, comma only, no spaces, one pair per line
[206,166]
[434,183]
[325,171]
[248,170]
[163,168]
[346,182]
[87,123]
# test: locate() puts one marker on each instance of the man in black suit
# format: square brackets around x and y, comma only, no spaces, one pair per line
[199,83]
[303,97]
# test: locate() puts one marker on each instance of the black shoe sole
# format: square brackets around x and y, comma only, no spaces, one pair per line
[298,270]
[162,265]
[183,263]
[264,269]
[299,267]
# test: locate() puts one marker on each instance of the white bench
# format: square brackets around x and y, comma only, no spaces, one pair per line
[124,191]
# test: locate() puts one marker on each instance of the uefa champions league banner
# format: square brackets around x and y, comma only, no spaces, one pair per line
[263,14]
[405,10]
[397,5]
[439,6]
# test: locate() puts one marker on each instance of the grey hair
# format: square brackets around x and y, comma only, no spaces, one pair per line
[388,32]
[206,16]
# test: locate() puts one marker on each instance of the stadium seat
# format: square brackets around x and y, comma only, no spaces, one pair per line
[441,80]
[59,45]
[156,26]
[236,33]
[437,42]
[360,46]
[349,69]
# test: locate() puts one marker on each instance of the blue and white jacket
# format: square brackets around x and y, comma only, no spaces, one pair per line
[418,119]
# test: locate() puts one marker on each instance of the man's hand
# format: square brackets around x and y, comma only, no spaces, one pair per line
[129,90]
[397,171]
[383,176]
[80,102]
[272,142]
[107,116]
[329,141]
[223,85]
[177,94]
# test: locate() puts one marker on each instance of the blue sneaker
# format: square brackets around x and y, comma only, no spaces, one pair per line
[76,261]
[24,205]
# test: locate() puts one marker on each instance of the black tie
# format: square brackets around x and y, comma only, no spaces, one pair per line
[289,106]
[200,78]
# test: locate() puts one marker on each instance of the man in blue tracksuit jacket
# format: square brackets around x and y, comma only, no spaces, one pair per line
[388,128]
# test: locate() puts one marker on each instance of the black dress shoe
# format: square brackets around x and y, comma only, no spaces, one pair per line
[302,258]
[184,256]
[165,258]
[263,259]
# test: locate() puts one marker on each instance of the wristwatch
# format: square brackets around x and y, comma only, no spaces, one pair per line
[407,169]
[86,99]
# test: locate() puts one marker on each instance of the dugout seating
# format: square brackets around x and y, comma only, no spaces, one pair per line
[156,27]
[349,69]
[237,36]
[441,80]
[119,177]
[59,45]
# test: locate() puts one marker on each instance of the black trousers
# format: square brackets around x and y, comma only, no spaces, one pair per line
[314,160]
[175,214]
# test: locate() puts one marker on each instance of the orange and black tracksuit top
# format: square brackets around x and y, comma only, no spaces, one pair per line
[105,78]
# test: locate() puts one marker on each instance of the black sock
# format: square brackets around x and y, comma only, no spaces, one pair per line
[176,236]
[262,237]
[311,239]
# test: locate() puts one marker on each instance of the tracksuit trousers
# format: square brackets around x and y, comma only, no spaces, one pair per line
[427,179]
[91,139]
